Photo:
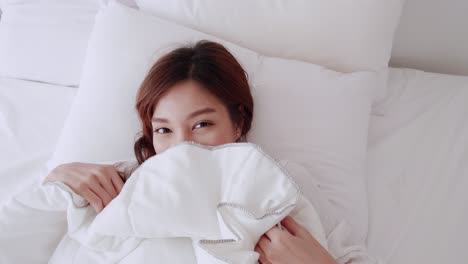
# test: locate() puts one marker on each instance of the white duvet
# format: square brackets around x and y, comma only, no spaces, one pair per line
[190,204]
[31,118]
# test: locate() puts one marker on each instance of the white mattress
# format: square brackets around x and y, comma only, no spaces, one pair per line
[418,170]
[31,117]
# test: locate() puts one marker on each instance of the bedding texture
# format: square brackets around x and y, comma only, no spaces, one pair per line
[189,204]
[32,115]
[418,170]
[45,40]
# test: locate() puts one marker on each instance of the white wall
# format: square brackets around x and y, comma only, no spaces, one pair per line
[433,36]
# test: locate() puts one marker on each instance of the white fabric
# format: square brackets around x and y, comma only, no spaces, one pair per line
[323,126]
[130,3]
[32,115]
[416,101]
[223,198]
[32,223]
[174,209]
[235,191]
[342,35]
[45,40]
[418,170]
[345,36]
[343,246]
[320,116]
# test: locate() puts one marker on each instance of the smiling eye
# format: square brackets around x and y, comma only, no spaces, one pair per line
[202,124]
[162,130]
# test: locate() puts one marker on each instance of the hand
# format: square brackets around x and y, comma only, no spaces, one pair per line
[292,245]
[98,184]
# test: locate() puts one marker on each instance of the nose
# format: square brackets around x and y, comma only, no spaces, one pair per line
[183,136]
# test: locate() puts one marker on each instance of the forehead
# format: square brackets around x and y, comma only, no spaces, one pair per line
[184,98]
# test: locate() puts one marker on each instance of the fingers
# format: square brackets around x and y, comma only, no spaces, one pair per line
[263,242]
[117,182]
[110,180]
[274,233]
[98,184]
[294,228]
[108,185]
[102,194]
[262,258]
[268,249]
[93,199]
[263,245]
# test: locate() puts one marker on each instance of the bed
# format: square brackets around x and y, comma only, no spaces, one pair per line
[417,156]
[416,161]
[417,169]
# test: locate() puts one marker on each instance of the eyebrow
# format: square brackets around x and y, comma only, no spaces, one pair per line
[192,115]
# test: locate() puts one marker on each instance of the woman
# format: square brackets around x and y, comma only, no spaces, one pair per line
[199,94]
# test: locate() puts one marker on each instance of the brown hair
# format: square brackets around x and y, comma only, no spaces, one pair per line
[208,63]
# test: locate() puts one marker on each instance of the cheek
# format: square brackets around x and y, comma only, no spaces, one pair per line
[159,145]
[217,137]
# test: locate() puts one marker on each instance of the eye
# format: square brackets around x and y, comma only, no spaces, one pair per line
[202,124]
[162,130]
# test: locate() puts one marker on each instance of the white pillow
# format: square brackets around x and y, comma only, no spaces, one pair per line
[45,40]
[303,112]
[342,35]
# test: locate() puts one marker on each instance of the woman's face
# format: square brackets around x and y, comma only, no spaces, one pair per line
[188,112]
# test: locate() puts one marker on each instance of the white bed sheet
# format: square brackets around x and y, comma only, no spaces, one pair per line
[418,170]
[31,117]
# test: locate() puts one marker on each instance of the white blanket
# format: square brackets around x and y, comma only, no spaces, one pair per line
[29,129]
[190,204]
